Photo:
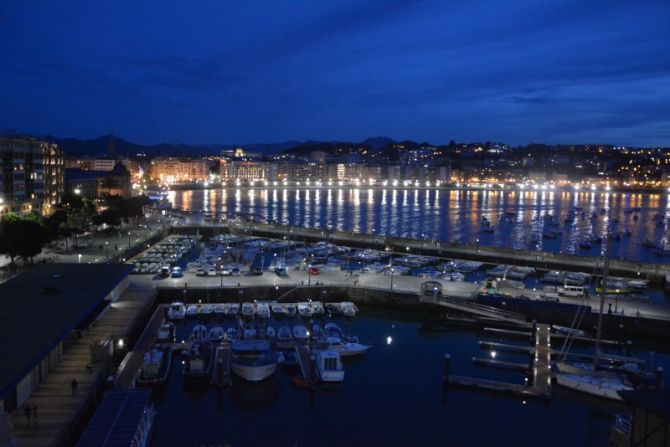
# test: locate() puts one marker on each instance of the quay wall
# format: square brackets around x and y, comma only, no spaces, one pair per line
[614,326]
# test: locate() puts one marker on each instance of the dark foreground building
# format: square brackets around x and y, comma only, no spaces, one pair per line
[41,311]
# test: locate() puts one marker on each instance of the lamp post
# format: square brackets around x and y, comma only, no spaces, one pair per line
[79,258]
[106,249]
[129,239]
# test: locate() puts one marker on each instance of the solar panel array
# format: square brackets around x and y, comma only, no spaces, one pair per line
[116,420]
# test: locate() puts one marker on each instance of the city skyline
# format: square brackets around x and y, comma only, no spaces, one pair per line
[563,74]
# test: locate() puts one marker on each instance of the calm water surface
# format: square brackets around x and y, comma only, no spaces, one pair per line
[519,218]
[393,396]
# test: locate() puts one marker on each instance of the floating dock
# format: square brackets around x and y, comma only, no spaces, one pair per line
[304,362]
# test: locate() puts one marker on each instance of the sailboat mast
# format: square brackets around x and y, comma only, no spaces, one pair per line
[603,290]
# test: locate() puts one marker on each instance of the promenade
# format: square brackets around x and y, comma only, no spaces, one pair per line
[57,406]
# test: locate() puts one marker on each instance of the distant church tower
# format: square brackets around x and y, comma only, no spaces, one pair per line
[111,146]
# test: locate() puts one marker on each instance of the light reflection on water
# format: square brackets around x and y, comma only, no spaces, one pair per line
[519,217]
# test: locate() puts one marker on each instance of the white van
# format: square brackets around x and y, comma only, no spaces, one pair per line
[573,291]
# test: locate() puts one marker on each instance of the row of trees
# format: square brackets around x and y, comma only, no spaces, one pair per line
[25,236]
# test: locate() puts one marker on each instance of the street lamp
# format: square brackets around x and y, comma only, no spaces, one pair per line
[107,249]
[79,257]
[129,239]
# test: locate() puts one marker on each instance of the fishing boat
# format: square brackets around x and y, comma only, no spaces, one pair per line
[176,311]
[345,349]
[216,334]
[300,333]
[253,360]
[155,367]
[329,367]
[284,334]
[166,332]
[198,362]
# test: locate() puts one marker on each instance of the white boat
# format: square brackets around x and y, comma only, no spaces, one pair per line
[155,367]
[216,334]
[284,334]
[253,360]
[219,309]
[233,309]
[329,366]
[638,284]
[317,308]
[291,310]
[199,334]
[345,349]
[348,309]
[176,311]
[305,310]
[263,310]
[278,309]
[198,361]
[300,333]
[600,384]
[248,310]
[206,309]
[166,332]
[193,310]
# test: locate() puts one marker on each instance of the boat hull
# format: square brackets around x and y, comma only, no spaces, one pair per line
[254,373]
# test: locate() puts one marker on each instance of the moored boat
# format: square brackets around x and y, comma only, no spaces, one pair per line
[176,311]
[253,360]
[155,367]
[329,366]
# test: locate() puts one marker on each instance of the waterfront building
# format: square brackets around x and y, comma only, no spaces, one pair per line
[173,170]
[31,175]
[92,184]
[247,171]
[45,308]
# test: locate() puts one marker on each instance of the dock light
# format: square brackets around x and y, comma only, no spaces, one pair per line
[389,340]
[120,343]
[308,333]
[493,354]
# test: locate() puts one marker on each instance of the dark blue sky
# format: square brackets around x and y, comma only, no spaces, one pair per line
[266,71]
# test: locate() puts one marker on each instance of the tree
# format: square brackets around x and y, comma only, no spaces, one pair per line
[23,236]
[109,183]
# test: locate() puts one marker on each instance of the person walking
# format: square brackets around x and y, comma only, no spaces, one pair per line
[73,386]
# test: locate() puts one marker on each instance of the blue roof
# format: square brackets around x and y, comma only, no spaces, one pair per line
[116,419]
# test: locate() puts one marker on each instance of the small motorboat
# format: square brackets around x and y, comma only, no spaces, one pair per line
[216,334]
[231,334]
[317,331]
[291,310]
[333,309]
[193,310]
[166,332]
[206,310]
[233,309]
[317,308]
[278,310]
[219,309]
[176,311]
[349,309]
[345,349]
[263,310]
[284,334]
[248,310]
[329,366]
[155,367]
[198,362]
[305,310]
[300,333]
[333,330]
[270,333]
[199,334]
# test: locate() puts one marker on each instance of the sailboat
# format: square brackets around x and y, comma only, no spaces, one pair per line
[588,378]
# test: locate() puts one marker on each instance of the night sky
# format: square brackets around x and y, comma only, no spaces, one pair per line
[267,71]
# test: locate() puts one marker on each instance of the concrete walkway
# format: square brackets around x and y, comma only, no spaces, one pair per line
[56,405]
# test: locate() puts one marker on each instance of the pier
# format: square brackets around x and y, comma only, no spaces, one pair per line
[221,372]
[540,368]
[304,362]
[471,307]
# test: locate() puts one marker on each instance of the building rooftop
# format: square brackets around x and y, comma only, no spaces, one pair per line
[39,308]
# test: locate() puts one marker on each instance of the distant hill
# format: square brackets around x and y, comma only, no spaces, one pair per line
[99,145]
